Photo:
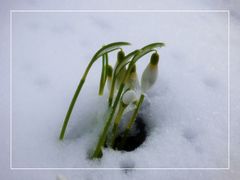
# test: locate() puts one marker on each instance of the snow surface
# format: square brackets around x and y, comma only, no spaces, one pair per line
[186,111]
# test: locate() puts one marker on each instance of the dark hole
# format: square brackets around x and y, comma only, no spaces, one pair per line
[134,139]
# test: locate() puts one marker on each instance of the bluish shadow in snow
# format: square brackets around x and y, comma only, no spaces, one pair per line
[211,82]
[101,23]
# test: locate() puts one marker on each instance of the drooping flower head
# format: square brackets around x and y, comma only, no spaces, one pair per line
[132,81]
[120,59]
[150,74]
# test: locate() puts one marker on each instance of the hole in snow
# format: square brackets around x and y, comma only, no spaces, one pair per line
[135,138]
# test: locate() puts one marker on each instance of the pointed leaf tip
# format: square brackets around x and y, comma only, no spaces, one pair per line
[110,47]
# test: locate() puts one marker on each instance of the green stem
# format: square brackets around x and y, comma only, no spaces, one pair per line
[116,123]
[106,64]
[110,99]
[67,117]
[115,77]
[102,138]
[97,152]
[132,120]
[102,79]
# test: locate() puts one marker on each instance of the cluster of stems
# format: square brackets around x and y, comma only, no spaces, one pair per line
[123,85]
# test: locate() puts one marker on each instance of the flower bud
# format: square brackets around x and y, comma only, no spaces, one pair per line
[120,75]
[129,97]
[132,81]
[149,76]
[154,59]
[109,71]
[120,56]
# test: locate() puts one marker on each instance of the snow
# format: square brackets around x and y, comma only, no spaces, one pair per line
[186,111]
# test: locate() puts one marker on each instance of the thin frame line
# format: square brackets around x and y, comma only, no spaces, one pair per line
[229,97]
[121,11]
[10,86]
[120,169]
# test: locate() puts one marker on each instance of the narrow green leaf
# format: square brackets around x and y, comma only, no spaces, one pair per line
[103,74]
[101,83]
[141,54]
[122,66]
[108,48]
[125,61]
[153,45]
[106,67]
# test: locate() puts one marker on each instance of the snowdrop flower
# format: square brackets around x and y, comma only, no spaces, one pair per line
[149,76]
[133,82]
[129,97]
[109,76]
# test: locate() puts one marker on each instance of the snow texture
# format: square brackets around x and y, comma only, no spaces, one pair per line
[186,112]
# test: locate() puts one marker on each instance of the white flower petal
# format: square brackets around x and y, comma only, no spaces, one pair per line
[129,97]
[149,77]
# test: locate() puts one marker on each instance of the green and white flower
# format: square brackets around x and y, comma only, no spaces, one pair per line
[132,81]
[150,74]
